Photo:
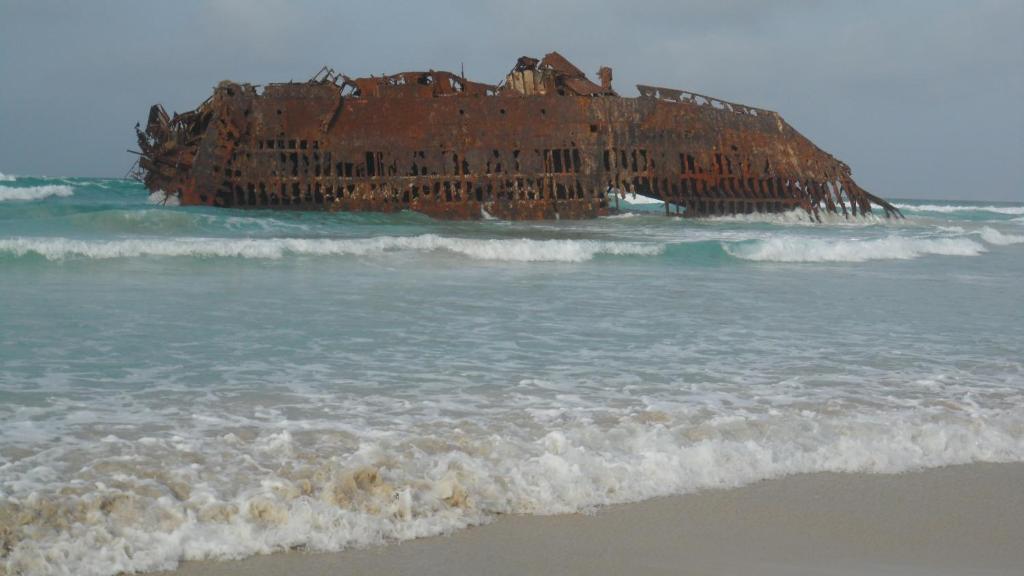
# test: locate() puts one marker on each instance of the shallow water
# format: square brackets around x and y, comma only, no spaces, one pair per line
[198,383]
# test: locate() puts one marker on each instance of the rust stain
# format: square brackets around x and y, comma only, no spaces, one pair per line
[546,143]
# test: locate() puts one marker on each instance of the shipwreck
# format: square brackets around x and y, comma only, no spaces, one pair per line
[545,143]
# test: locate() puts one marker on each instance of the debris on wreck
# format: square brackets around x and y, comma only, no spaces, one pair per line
[545,143]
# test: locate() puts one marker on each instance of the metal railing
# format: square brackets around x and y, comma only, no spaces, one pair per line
[674,95]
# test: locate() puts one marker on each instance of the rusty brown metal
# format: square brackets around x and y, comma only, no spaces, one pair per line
[546,143]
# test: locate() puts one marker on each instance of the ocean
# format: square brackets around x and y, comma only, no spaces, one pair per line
[192,383]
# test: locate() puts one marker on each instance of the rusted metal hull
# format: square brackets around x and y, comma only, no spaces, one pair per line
[540,147]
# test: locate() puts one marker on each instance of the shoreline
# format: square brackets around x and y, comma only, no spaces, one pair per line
[951,520]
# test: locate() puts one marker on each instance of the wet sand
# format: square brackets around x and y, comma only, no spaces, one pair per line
[956,520]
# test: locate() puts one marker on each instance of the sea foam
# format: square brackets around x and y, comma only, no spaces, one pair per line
[800,217]
[797,249]
[509,250]
[950,208]
[7,177]
[259,498]
[639,200]
[995,237]
[163,198]
[35,192]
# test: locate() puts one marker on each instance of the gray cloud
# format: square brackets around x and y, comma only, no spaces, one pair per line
[921,98]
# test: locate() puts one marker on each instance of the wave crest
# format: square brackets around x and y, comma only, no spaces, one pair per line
[794,249]
[800,217]
[153,517]
[510,250]
[637,199]
[949,208]
[35,192]
[164,198]
[997,238]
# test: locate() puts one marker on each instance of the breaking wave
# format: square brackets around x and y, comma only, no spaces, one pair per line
[639,200]
[7,177]
[35,192]
[794,249]
[800,217]
[950,208]
[995,237]
[510,250]
[164,199]
[262,497]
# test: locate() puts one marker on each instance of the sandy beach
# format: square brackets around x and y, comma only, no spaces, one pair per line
[955,520]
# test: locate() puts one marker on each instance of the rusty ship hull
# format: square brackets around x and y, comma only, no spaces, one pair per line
[545,144]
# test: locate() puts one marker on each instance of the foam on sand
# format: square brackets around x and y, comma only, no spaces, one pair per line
[510,250]
[797,249]
[259,497]
[34,192]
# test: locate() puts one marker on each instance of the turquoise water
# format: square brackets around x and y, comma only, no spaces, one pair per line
[181,383]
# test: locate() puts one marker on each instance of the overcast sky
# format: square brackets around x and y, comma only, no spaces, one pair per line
[923,99]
